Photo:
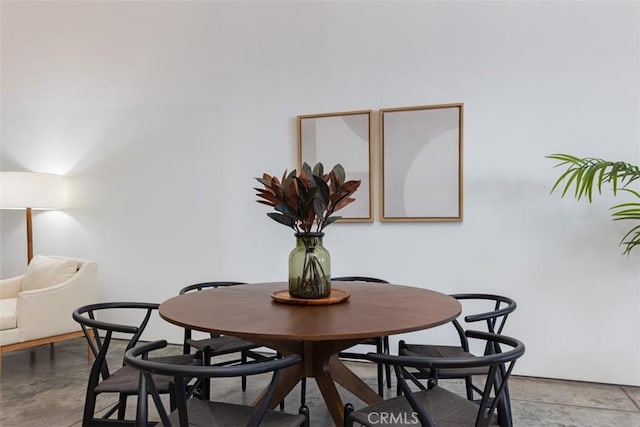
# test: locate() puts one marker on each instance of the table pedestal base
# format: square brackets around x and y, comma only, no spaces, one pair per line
[320,361]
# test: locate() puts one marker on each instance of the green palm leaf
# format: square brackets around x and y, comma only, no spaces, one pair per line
[583,174]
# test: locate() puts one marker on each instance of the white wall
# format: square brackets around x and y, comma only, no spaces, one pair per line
[163,112]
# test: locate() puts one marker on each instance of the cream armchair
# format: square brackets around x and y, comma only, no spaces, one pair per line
[36,307]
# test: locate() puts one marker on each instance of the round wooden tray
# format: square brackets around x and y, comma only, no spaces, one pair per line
[337,296]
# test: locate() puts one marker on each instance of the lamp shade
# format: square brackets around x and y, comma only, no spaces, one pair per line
[19,190]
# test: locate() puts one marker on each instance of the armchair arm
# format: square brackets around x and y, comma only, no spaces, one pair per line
[10,287]
[48,311]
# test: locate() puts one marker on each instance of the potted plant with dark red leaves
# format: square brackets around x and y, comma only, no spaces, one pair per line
[307,202]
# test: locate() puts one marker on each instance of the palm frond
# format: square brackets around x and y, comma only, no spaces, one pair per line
[585,174]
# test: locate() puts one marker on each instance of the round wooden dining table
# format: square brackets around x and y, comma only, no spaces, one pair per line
[316,332]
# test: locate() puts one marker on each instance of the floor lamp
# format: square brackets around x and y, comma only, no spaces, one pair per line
[31,191]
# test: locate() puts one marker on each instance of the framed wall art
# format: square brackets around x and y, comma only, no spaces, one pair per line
[343,138]
[421,163]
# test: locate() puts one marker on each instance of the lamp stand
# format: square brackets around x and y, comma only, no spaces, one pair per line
[29,237]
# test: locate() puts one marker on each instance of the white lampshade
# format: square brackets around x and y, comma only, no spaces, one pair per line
[20,190]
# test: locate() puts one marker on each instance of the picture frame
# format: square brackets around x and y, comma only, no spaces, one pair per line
[421,163]
[345,138]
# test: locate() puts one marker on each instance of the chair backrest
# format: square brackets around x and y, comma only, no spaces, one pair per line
[206,285]
[500,362]
[358,279]
[186,348]
[137,357]
[99,333]
[494,319]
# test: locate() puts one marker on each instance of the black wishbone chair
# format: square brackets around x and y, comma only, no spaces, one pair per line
[123,379]
[198,412]
[218,345]
[433,405]
[494,314]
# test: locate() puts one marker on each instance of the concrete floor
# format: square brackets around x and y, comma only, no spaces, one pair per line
[46,386]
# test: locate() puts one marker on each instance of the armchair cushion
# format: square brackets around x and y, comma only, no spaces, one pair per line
[45,312]
[8,319]
[9,288]
[44,271]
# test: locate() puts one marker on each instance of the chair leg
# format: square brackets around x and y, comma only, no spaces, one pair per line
[468,382]
[387,370]
[206,382]
[505,417]
[90,395]
[303,392]
[387,367]
[243,358]
[173,399]
[381,380]
[89,408]
[380,349]
[304,410]
[348,409]
[122,406]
